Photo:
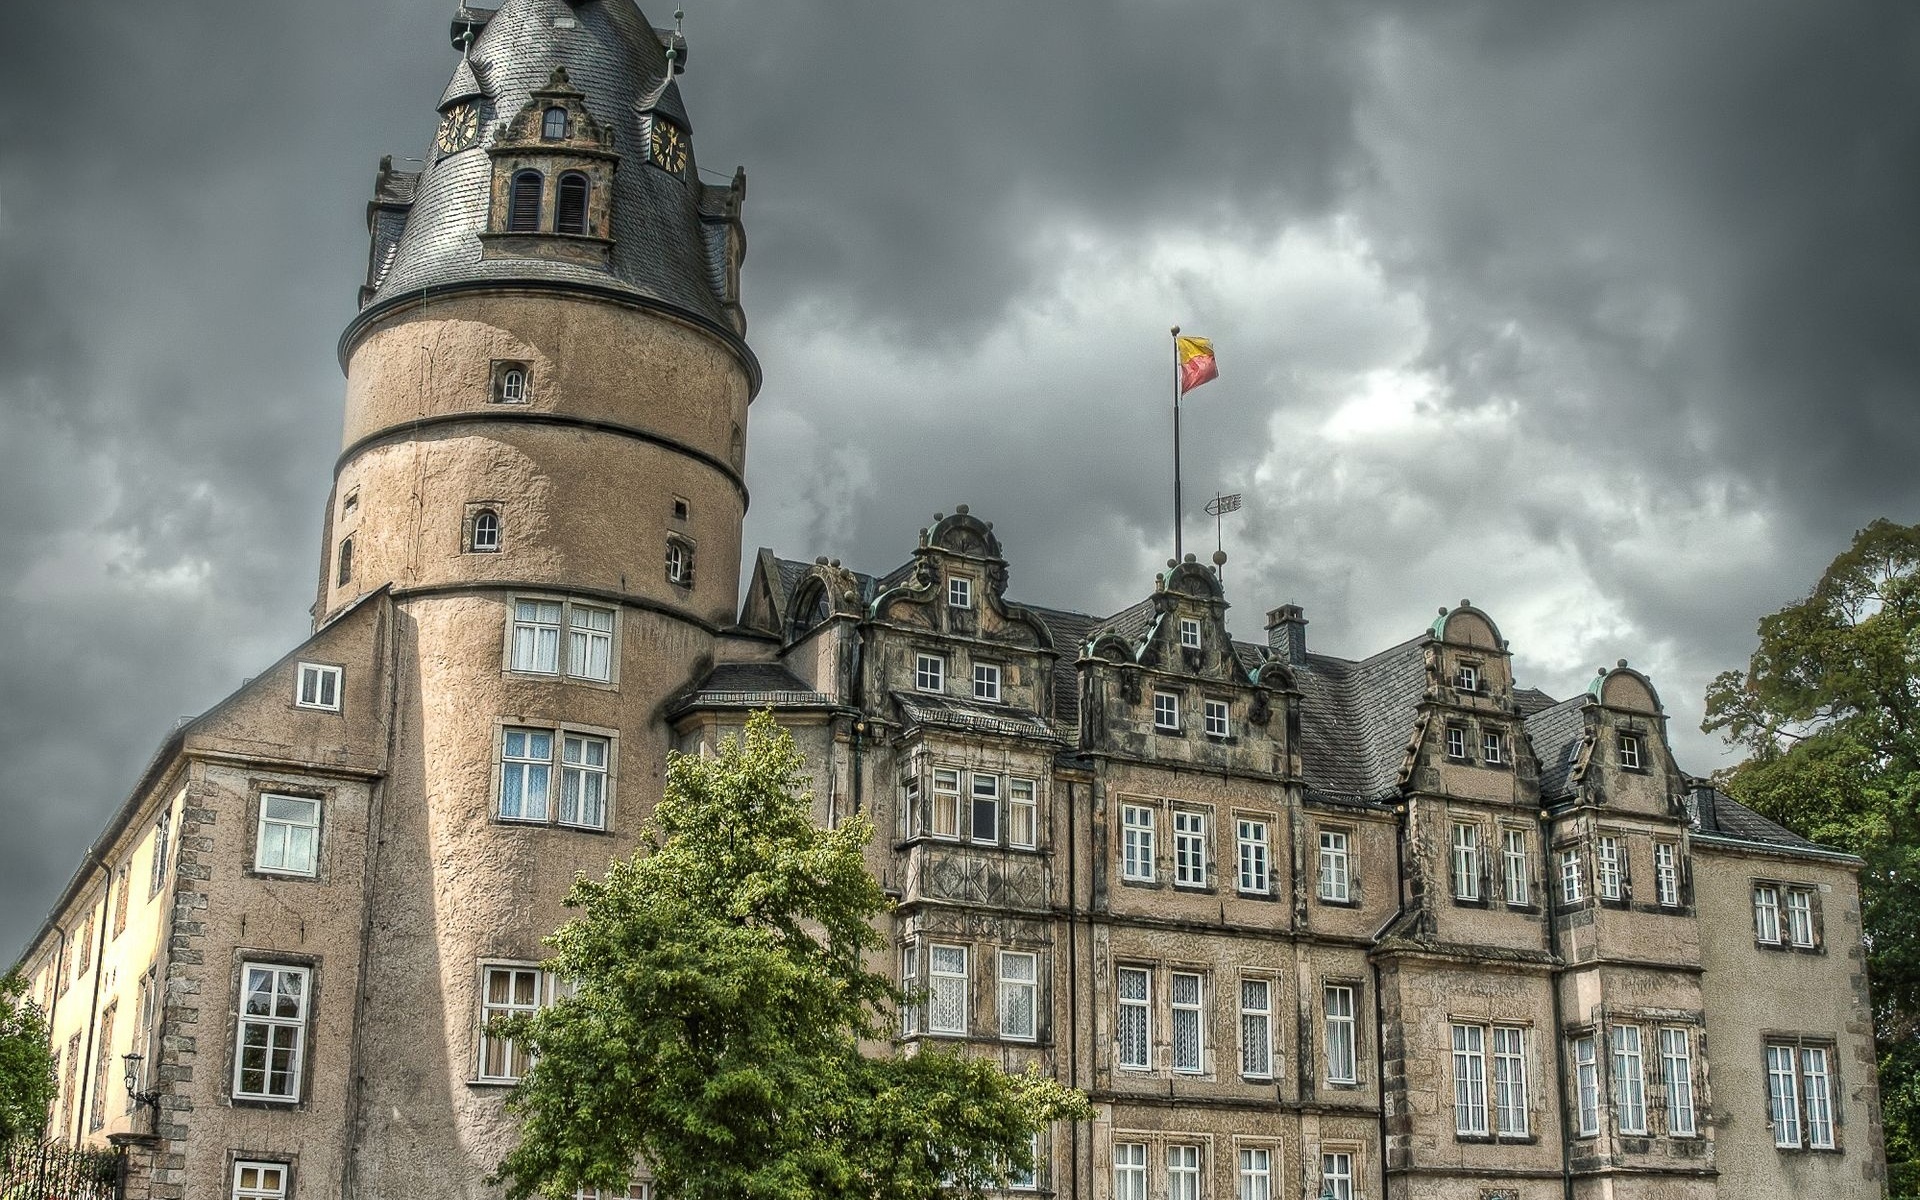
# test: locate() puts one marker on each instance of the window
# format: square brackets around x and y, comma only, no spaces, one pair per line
[947,990]
[1573,881]
[1335,870]
[1629,1080]
[583,781]
[1252,839]
[959,592]
[986,809]
[162,837]
[1256,1175]
[288,840]
[513,386]
[537,644]
[1586,1073]
[1801,1105]
[319,688]
[570,209]
[1183,1173]
[1023,814]
[536,636]
[929,673]
[122,897]
[1676,1072]
[1606,861]
[1466,862]
[986,682]
[1510,1080]
[1019,995]
[589,642]
[1518,876]
[1666,874]
[910,984]
[344,573]
[1189,1024]
[523,201]
[1256,1028]
[1166,712]
[1336,1174]
[1493,747]
[681,509]
[1189,848]
[553,124]
[102,1068]
[507,992]
[1466,678]
[1189,633]
[1129,1171]
[1219,722]
[1800,917]
[1766,914]
[526,774]
[259,1181]
[1341,1064]
[1136,843]
[351,502]
[946,802]
[486,532]
[679,562]
[272,1033]
[1470,1080]
[1134,1023]
[1630,751]
[1456,743]
[1027,1181]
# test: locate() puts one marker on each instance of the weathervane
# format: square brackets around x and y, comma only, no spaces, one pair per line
[1219,507]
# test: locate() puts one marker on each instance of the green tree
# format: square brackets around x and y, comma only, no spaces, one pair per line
[719,1011]
[1829,712]
[26,1065]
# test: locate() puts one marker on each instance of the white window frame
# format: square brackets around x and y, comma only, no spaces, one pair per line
[1129,1171]
[1816,1090]
[259,1189]
[1783,1095]
[1256,1173]
[1336,867]
[1023,813]
[1466,861]
[1470,1080]
[527,768]
[514,1059]
[277,835]
[986,682]
[959,592]
[1136,843]
[1030,1181]
[1456,743]
[1218,718]
[1629,1080]
[1338,1004]
[586,786]
[1629,748]
[1676,1073]
[277,1025]
[1493,747]
[1466,678]
[1610,880]
[1133,1012]
[318,687]
[1573,879]
[946,803]
[513,386]
[1254,876]
[1256,1028]
[1666,874]
[1586,1069]
[1517,866]
[562,637]
[1189,848]
[679,562]
[1766,914]
[1166,712]
[485,532]
[983,796]
[910,815]
[1510,1099]
[929,673]
[1189,634]
[945,982]
[1183,1171]
[1336,1174]
[1187,1000]
[910,984]
[1800,924]
[1019,996]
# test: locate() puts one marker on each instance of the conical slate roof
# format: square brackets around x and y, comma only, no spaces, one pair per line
[661,252]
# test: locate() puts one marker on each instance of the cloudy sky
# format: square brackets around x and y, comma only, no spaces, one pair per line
[1601,314]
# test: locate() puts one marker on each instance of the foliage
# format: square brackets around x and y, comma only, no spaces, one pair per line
[26,1064]
[1829,711]
[719,1009]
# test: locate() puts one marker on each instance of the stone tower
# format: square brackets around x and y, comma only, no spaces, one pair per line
[547,390]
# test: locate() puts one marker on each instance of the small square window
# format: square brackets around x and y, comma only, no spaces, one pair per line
[986,682]
[319,687]
[1219,723]
[1467,678]
[259,1181]
[1630,751]
[1493,747]
[1166,712]
[1457,743]
[960,592]
[929,673]
[681,511]
[1189,633]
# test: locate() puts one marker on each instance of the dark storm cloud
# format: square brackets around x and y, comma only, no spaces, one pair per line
[1600,313]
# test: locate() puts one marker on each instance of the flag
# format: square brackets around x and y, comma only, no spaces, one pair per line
[1196,362]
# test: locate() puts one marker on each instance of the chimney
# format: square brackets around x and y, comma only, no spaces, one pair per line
[1287,633]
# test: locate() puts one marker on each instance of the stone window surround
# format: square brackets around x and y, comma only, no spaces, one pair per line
[300,789]
[1782,889]
[314,965]
[559,729]
[566,602]
[920,826]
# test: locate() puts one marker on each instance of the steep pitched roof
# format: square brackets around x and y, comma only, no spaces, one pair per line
[1719,815]
[1556,733]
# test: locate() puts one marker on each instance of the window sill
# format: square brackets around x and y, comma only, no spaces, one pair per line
[493,1083]
[1163,731]
[1469,902]
[268,1103]
[333,710]
[1331,902]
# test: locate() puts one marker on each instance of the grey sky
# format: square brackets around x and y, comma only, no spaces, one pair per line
[1601,314]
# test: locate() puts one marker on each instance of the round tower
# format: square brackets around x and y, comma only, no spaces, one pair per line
[543,461]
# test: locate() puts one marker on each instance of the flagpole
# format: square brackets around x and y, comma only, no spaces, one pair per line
[1176,446]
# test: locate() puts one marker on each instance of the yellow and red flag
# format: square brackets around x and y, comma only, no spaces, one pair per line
[1196,362]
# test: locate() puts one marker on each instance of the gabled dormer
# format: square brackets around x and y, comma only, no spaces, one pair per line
[552,189]
[1469,739]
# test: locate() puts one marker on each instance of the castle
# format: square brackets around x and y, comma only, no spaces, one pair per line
[1302,926]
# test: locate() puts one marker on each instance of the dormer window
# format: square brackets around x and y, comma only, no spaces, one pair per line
[1630,751]
[523,201]
[570,213]
[1189,633]
[1466,678]
[959,593]
[553,124]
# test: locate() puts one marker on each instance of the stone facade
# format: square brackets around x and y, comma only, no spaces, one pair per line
[1391,927]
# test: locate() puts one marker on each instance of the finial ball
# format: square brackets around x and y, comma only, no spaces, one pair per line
[1219,558]
[961,510]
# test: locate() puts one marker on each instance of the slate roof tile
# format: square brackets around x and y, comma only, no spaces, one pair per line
[1555,733]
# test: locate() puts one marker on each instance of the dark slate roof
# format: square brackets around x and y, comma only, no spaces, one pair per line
[1070,631]
[1330,757]
[919,708]
[1718,814]
[1386,691]
[613,55]
[1531,700]
[1555,733]
[751,685]
[1129,623]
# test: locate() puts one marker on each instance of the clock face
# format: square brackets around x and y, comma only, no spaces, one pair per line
[458,127]
[669,146]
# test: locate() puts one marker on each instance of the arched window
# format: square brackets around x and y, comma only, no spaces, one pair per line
[680,562]
[345,569]
[486,531]
[513,386]
[570,213]
[523,202]
[553,124]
